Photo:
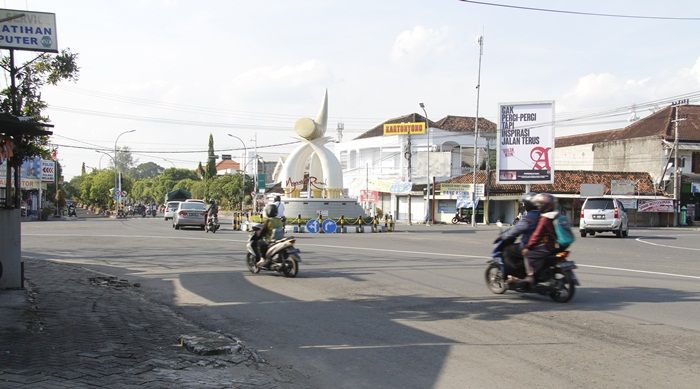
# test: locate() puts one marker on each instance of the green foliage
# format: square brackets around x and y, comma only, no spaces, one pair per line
[210,171]
[146,170]
[125,160]
[31,78]
[229,191]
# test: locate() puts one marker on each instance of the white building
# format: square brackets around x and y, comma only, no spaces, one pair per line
[373,162]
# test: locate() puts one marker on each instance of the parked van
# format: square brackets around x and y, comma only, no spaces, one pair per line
[603,214]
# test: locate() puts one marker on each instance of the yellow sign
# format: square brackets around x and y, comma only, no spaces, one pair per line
[417,128]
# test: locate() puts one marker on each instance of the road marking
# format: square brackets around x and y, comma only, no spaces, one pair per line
[367,249]
[639,271]
[641,240]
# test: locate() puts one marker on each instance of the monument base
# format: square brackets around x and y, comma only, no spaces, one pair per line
[329,208]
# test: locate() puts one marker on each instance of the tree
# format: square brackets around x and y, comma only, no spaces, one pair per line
[82,169]
[25,99]
[211,159]
[125,160]
[146,170]
[200,171]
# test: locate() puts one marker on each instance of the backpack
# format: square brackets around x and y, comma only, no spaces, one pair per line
[562,229]
[271,210]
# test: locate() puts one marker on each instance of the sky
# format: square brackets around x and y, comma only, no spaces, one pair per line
[175,71]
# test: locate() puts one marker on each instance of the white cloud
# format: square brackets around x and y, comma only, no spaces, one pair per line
[420,43]
[598,90]
[268,81]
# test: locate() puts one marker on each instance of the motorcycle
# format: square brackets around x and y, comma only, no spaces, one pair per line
[71,212]
[212,224]
[461,219]
[281,256]
[555,279]
[153,212]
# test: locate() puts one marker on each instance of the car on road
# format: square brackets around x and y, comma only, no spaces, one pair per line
[603,214]
[170,209]
[189,214]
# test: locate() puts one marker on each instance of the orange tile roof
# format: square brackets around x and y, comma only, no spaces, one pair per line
[227,164]
[565,182]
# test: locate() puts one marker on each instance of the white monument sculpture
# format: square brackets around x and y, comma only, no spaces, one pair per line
[325,176]
[323,179]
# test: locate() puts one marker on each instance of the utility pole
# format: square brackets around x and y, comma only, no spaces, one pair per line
[676,169]
[408,156]
[476,130]
[428,220]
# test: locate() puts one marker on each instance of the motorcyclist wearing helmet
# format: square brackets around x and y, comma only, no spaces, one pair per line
[523,229]
[269,230]
[212,210]
[542,242]
[280,208]
[526,225]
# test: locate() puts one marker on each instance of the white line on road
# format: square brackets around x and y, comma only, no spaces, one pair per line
[365,249]
[641,240]
[639,271]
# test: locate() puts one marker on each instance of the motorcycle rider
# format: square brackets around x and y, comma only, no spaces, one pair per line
[258,243]
[280,208]
[212,210]
[523,229]
[271,224]
[542,242]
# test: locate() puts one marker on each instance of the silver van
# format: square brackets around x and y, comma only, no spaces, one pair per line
[603,214]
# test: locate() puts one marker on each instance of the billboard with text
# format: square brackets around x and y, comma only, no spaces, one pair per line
[525,143]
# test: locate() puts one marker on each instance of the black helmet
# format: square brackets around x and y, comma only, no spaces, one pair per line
[545,202]
[278,198]
[211,201]
[526,201]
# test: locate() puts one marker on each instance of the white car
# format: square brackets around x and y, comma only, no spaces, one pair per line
[170,209]
[603,214]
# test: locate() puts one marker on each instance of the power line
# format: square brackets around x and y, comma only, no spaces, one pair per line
[101,148]
[582,13]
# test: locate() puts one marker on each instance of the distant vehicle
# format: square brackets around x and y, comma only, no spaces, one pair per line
[603,214]
[194,201]
[170,209]
[189,214]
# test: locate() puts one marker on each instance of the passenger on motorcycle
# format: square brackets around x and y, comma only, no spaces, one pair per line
[542,242]
[523,229]
[258,243]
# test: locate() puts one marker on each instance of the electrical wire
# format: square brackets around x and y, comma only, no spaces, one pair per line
[582,13]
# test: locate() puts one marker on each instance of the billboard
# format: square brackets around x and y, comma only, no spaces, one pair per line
[25,30]
[416,128]
[655,206]
[525,143]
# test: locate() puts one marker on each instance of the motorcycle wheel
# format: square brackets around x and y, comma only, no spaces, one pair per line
[494,279]
[455,220]
[563,287]
[250,261]
[291,266]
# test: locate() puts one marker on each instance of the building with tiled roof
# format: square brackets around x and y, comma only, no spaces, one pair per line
[227,166]
[445,152]
[645,145]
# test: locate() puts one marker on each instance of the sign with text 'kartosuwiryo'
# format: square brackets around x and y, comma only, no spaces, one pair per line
[526,143]
[25,30]
[416,128]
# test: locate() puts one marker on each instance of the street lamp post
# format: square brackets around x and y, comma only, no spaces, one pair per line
[476,131]
[117,178]
[245,155]
[428,218]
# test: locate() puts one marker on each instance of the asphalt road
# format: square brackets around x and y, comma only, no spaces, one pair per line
[410,309]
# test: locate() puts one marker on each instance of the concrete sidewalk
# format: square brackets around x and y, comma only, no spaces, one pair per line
[74,328]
